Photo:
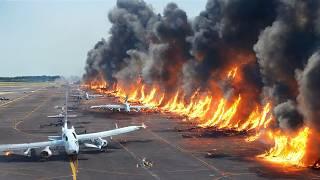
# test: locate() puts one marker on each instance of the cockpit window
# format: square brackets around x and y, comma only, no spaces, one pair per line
[74,135]
[66,138]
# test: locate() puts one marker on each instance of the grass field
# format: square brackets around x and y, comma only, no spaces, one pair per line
[17,84]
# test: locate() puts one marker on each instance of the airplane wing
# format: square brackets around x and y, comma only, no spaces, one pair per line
[76,96]
[55,116]
[59,116]
[95,95]
[109,106]
[103,134]
[36,145]
[140,107]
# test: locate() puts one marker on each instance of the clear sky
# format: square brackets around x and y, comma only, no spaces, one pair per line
[52,37]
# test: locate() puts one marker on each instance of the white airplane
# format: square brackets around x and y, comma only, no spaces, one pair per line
[62,108]
[63,116]
[68,140]
[125,106]
[86,96]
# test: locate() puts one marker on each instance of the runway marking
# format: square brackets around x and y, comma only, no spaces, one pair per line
[111,172]
[55,177]
[16,124]
[74,167]
[184,151]
[16,173]
[232,174]
[20,98]
[140,160]
[186,170]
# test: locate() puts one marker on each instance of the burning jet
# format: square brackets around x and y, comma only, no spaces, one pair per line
[121,107]
[68,140]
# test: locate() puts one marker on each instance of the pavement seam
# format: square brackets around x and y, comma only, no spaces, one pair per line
[139,160]
[16,124]
[221,173]
[19,98]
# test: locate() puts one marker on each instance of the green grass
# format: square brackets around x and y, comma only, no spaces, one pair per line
[3,84]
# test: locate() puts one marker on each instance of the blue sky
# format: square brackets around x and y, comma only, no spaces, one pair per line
[52,37]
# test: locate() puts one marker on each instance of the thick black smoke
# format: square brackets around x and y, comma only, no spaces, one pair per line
[272,41]
[131,21]
[285,113]
[168,50]
[282,49]
[227,26]
[94,61]
[309,104]
[309,88]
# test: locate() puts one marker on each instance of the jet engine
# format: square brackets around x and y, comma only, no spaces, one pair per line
[98,143]
[46,152]
[102,143]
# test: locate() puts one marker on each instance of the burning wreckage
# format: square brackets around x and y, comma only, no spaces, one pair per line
[241,66]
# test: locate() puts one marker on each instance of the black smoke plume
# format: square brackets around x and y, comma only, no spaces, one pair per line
[273,43]
[282,49]
[131,21]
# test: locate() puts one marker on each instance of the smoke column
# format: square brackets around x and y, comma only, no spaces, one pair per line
[273,43]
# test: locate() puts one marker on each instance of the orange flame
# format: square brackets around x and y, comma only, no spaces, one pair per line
[253,137]
[232,73]
[200,107]
[7,153]
[288,150]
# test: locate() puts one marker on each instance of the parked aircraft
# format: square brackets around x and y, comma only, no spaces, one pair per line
[68,140]
[121,107]
[86,96]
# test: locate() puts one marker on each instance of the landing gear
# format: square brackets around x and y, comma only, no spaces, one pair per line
[103,149]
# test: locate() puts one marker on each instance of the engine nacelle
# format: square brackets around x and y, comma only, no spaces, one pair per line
[98,143]
[102,143]
[46,152]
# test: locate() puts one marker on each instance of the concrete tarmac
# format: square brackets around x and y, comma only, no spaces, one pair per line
[173,156]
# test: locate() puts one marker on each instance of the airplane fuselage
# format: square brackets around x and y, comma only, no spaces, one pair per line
[71,143]
[127,107]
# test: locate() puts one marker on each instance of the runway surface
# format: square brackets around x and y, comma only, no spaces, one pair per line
[24,119]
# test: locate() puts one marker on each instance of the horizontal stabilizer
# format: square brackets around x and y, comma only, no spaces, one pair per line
[53,138]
